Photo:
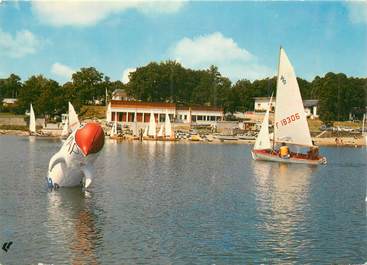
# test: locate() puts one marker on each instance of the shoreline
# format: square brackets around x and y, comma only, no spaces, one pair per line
[330,141]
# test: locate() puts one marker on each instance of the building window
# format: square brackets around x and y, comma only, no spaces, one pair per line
[185,117]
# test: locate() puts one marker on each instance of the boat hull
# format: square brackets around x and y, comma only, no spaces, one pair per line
[266,155]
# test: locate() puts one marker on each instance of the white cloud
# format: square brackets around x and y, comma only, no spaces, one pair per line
[22,43]
[125,75]
[62,70]
[357,11]
[215,49]
[86,13]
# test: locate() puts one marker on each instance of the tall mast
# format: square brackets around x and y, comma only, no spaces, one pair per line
[276,96]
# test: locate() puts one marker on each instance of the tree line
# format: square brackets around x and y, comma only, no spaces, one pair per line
[168,81]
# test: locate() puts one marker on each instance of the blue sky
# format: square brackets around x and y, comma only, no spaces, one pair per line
[241,38]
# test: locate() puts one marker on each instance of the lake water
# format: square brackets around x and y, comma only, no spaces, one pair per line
[165,203]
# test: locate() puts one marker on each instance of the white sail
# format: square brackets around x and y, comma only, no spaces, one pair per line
[152,126]
[114,129]
[108,112]
[290,124]
[167,126]
[263,139]
[135,126]
[145,132]
[160,133]
[73,118]
[32,121]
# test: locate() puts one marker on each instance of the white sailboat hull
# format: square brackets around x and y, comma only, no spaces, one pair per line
[266,155]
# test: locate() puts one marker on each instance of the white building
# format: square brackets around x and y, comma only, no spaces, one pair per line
[310,105]
[9,101]
[126,112]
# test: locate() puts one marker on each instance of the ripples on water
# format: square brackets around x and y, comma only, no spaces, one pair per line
[164,203]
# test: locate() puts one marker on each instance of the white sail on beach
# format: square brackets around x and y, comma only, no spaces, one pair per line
[114,129]
[135,126]
[167,126]
[290,124]
[160,133]
[152,126]
[263,139]
[145,131]
[73,118]
[32,120]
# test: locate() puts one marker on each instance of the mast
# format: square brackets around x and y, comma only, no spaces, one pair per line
[276,96]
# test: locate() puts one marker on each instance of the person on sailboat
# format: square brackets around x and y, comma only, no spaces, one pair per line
[284,151]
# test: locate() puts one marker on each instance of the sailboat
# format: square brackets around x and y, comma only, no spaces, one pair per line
[168,128]
[160,132]
[113,132]
[71,123]
[152,126]
[145,134]
[32,122]
[290,122]
[73,118]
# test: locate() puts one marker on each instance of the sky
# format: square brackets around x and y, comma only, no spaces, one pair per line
[241,38]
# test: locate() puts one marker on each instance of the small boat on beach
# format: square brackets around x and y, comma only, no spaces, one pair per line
[290,123]
[32,121]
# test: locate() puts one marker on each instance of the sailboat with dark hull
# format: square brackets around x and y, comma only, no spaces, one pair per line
[290,122]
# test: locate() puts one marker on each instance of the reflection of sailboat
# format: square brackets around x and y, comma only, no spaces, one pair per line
[290,123]
[32,121]
[282,195]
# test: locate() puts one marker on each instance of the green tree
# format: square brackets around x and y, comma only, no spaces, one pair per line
[89,84]
[9,87]
[45,95]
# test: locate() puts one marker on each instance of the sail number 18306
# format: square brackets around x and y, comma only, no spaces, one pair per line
[288,120]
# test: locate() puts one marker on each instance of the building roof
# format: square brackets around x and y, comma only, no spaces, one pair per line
[306,102]
[207,108]
[310,102]
[140,104]
[9,100]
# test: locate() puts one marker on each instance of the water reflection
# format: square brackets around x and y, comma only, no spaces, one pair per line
[71,225]
[282,198]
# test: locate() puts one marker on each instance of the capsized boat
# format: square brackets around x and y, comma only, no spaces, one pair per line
[290,122]
[32,121]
